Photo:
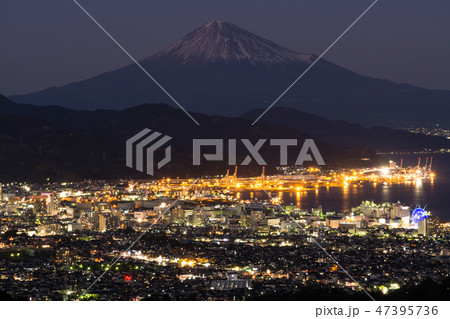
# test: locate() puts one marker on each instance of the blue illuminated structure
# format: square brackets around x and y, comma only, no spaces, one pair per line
[417,215]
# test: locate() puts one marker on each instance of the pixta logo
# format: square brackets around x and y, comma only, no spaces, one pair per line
[308,148]
[144,145]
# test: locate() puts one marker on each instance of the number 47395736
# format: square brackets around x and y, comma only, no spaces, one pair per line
[407,310]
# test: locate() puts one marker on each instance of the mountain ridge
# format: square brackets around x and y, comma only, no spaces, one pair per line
[40,142]
[123,123]
[340,133]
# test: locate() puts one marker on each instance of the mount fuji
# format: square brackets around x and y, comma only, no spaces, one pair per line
[222,69]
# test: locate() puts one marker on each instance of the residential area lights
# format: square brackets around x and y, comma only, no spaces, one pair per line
[219,239]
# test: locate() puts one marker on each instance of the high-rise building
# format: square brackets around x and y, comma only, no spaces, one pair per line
[197,217]
[52,204]
[256,217]
[433,224]
[428,226]
[424,228]
[177,215]
[400,211]
[112,222]
[101,223]
[40,205]
[245,220]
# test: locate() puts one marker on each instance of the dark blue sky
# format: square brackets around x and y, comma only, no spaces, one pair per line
[51,43]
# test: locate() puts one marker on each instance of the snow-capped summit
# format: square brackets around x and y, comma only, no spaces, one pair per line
[223,41]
